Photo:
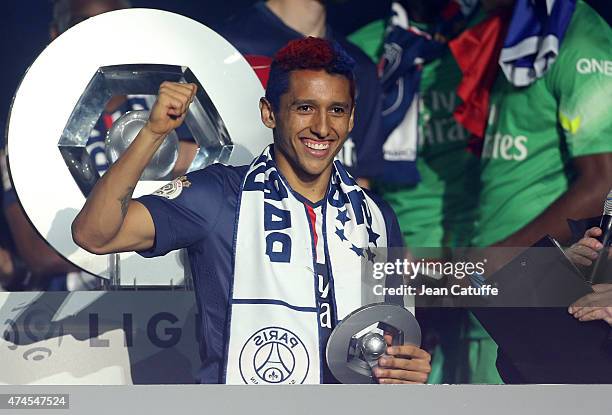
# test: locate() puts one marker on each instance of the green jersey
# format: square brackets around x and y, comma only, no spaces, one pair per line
[534,132]
[441,209]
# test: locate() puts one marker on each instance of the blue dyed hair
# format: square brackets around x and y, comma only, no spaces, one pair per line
[308,53]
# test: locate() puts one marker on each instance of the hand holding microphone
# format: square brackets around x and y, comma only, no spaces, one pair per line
[586,251]
[602,272]
[593,250]
[595,247]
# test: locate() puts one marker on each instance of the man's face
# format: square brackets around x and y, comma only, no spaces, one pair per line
[312,122]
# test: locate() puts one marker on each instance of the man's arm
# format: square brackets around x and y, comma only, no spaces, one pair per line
[110,221]
[583,199]
[39,257]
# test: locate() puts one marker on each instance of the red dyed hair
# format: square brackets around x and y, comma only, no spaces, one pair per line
[308,53]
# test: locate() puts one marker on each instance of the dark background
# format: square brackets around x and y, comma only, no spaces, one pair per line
[24,28]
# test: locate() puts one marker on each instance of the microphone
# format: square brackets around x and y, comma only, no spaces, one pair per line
[601,272]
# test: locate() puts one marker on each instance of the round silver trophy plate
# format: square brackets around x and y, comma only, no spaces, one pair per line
[356,344]
[124,131]
[68,86]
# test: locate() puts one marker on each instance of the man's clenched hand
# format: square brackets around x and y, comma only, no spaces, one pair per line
[170,108]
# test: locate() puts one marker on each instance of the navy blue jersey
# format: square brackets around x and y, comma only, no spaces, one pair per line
[257,31]
[200,215]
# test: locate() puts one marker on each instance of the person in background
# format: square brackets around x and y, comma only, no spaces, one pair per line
[259,31]
[430,174]
[544,138]
[547,151]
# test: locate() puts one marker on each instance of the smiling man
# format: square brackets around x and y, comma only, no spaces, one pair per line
[275,247]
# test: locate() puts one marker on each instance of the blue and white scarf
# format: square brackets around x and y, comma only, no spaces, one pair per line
[406,49]
[534,37]
[274,330]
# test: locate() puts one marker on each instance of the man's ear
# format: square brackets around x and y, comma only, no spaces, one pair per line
[352,119]
[267,115]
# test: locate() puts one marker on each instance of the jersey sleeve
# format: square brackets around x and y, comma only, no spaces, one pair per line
[185,210]
[582,83]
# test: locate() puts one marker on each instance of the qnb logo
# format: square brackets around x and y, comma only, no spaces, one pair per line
[274,355]
[586,66]
[506,147]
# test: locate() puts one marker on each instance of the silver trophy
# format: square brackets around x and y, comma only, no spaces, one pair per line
[51,165]
[357,343]
[123,132]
